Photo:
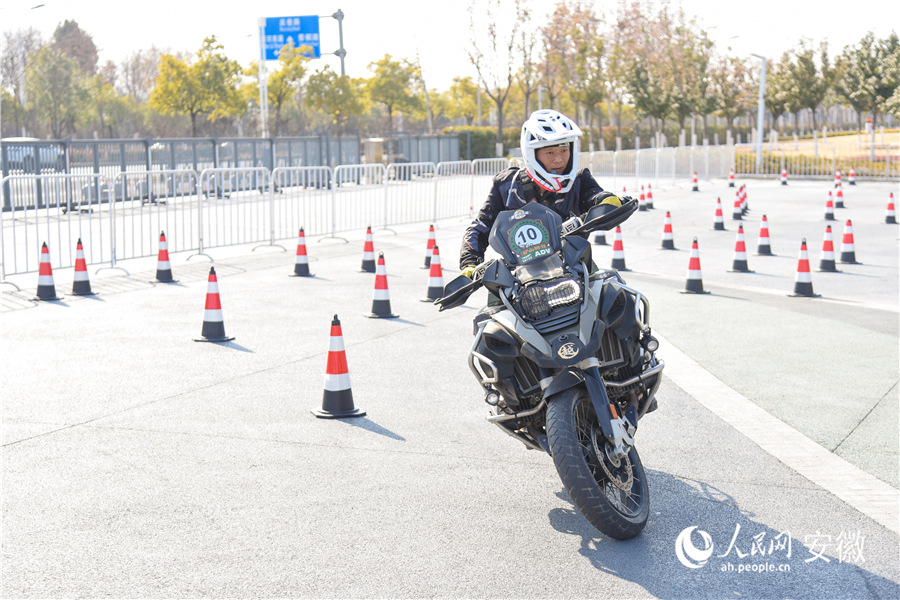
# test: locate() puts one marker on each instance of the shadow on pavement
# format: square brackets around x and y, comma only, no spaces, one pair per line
[744,558]
[369,425]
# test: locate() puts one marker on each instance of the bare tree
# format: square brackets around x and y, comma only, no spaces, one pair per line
[492,51]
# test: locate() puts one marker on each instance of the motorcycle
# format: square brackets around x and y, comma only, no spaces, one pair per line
[566,357]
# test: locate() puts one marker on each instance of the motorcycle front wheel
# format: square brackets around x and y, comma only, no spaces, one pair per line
[611,494]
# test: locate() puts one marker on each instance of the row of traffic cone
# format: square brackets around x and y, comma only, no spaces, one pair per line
[46,289]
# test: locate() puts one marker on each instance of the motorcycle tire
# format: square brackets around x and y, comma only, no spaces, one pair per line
[617,513]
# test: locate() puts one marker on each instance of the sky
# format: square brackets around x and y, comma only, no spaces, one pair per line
[436,31]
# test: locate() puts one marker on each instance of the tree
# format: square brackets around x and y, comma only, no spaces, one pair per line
[589,65]
[58,90]
[335,95]
[284,83]
[872,72]
[138,72]
[528,74]
[731,77]
[462,99]
[19,48]
[778,87]
[493,54]
[810,82]
[72,41]
[391,86]
[209,85]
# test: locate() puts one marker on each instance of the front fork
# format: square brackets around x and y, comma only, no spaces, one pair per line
[618,429]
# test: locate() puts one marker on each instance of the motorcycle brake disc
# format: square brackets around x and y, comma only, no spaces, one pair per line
[623,466]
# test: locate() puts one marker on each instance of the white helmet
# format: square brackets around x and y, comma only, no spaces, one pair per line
[549,128]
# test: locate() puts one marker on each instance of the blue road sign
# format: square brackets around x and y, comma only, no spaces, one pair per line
[301,31]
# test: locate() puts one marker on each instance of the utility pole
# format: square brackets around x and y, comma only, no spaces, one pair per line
[760,112]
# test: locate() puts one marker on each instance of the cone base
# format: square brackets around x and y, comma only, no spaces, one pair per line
[839,205]
[719,227]
[736,270]
[216,340]
[694,292]
[695,189]
[427,263]
[830,218]
[307,274]
[367,267]
[87,293]
[642,208]
[731,184]
[795,295]
[852,183]
[372,315]
[600,240]
[322,414]
[890,220]
[668,245]
[784,183]
[48,299]
[157,280]
[764,251]
[828,268]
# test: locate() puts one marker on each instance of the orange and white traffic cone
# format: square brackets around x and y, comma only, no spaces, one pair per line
[618,255]
[301,261]
[642,200]
[739,265]
[337,400]
[668,240]
[829,208]
[82,284]
[719,222]
[736,213]
[764,247]
[696,187]
[435,277]
[649,197]
[826,264]
[429,247]
[783,175]
[839,203]
[46,289]
[803,281]
[381,298]
[848,248]
[163,267]
[731,178]
[890,215]
[694,284]
[837,178]
[213,325]
[745,203]
[368,260]
[851,179]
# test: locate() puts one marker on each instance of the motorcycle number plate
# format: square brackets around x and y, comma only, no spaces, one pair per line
[529,240]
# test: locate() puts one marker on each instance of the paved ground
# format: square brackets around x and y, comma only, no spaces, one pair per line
[138,463]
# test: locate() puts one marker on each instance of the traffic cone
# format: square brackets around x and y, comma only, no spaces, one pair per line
[745,203]
[851,179]
[848,249]
[618,255]
[642,200]
[731,178]
[435,277]
[600,239]
[429,247]
[837,178]
[890,215]
[829,208]
[163,268]
[826,264]
[737,214]
[381,299]
[839,203]
[803,281]
[740,253]
[46,290]
[696,188]
[368,260]
[694,284]
[82,284]
[213,325]
[783,175]
[337,400]
[668,241]
[649,197]
[764,247]
[301,262]
[719,222]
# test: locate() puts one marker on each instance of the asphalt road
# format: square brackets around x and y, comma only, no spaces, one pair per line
[139,463]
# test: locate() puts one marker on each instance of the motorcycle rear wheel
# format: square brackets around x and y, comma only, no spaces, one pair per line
[572,433]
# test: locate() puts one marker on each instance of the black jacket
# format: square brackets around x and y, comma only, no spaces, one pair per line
[512,188]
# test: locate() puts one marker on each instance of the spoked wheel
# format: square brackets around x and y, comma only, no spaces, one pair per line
[610,492]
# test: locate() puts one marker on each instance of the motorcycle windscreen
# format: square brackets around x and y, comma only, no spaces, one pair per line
[526,235]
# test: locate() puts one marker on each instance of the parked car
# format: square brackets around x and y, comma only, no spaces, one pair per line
[18,154]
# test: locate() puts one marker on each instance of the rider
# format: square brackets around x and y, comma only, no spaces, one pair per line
[550,176]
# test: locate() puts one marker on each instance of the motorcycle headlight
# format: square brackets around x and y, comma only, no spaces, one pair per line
[540,299]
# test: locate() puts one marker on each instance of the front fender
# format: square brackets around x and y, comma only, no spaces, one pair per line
[596,390]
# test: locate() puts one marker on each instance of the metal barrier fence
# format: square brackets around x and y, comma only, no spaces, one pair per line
[120,217]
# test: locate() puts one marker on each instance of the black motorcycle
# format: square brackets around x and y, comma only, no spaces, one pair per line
[566,359]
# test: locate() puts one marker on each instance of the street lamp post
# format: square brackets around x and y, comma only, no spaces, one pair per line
[760,112]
